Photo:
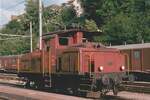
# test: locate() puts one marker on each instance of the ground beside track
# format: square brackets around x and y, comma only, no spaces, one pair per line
[125,95]
[15,93]
[9,91]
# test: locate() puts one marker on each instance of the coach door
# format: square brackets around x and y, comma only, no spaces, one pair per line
[136,60]
[126,57]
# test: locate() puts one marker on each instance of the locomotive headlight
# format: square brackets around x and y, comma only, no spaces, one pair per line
[122,68]
[101,68]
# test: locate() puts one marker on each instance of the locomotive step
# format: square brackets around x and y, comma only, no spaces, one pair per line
[89,85]
[47,81]
[86,82]
[86,87]
[82,90]
[91,94]
[86,78]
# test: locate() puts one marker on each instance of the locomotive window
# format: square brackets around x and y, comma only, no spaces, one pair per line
[47,48]
[92,66]
[63,41]
[137,54]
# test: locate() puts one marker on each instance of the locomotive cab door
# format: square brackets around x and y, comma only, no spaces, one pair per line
[92,66]
[89,64]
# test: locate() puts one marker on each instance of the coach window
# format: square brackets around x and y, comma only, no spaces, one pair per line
[136,54]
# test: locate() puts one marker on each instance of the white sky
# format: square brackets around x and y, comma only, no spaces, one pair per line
[16,7]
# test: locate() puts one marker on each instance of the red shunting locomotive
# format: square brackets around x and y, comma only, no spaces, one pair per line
[69,60]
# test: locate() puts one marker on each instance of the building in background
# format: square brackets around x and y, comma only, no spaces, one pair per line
[77,6]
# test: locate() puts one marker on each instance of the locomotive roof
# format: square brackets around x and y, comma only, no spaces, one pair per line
[84,48]
[72,31]
[131,46]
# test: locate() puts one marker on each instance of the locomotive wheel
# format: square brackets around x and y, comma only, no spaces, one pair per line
[28,85]
[131,78]
[75,92]
[103,92]
[115,90]
[39,85]
[72,91]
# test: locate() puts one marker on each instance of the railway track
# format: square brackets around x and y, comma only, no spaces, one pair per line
[137,86]
[16,93]
[142,87]
[8,76]
[13,79]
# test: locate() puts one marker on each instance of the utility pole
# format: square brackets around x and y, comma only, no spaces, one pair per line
[40,24]
[31,49]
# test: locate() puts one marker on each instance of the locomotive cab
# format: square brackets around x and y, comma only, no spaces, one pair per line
[74,58]
[101,65]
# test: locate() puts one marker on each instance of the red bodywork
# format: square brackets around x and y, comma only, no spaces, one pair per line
[9,63]
[111,59]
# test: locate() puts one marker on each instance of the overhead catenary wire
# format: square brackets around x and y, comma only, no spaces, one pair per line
[14,6]
[11,35]
[11,38]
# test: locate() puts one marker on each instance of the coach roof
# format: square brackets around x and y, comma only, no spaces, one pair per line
[131,46]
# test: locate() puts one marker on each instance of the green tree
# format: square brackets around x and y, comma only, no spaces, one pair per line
[91,25]
[32,14]
[120,20]
[68,15]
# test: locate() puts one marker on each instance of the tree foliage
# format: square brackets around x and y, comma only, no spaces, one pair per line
[90,25]
[121,20]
